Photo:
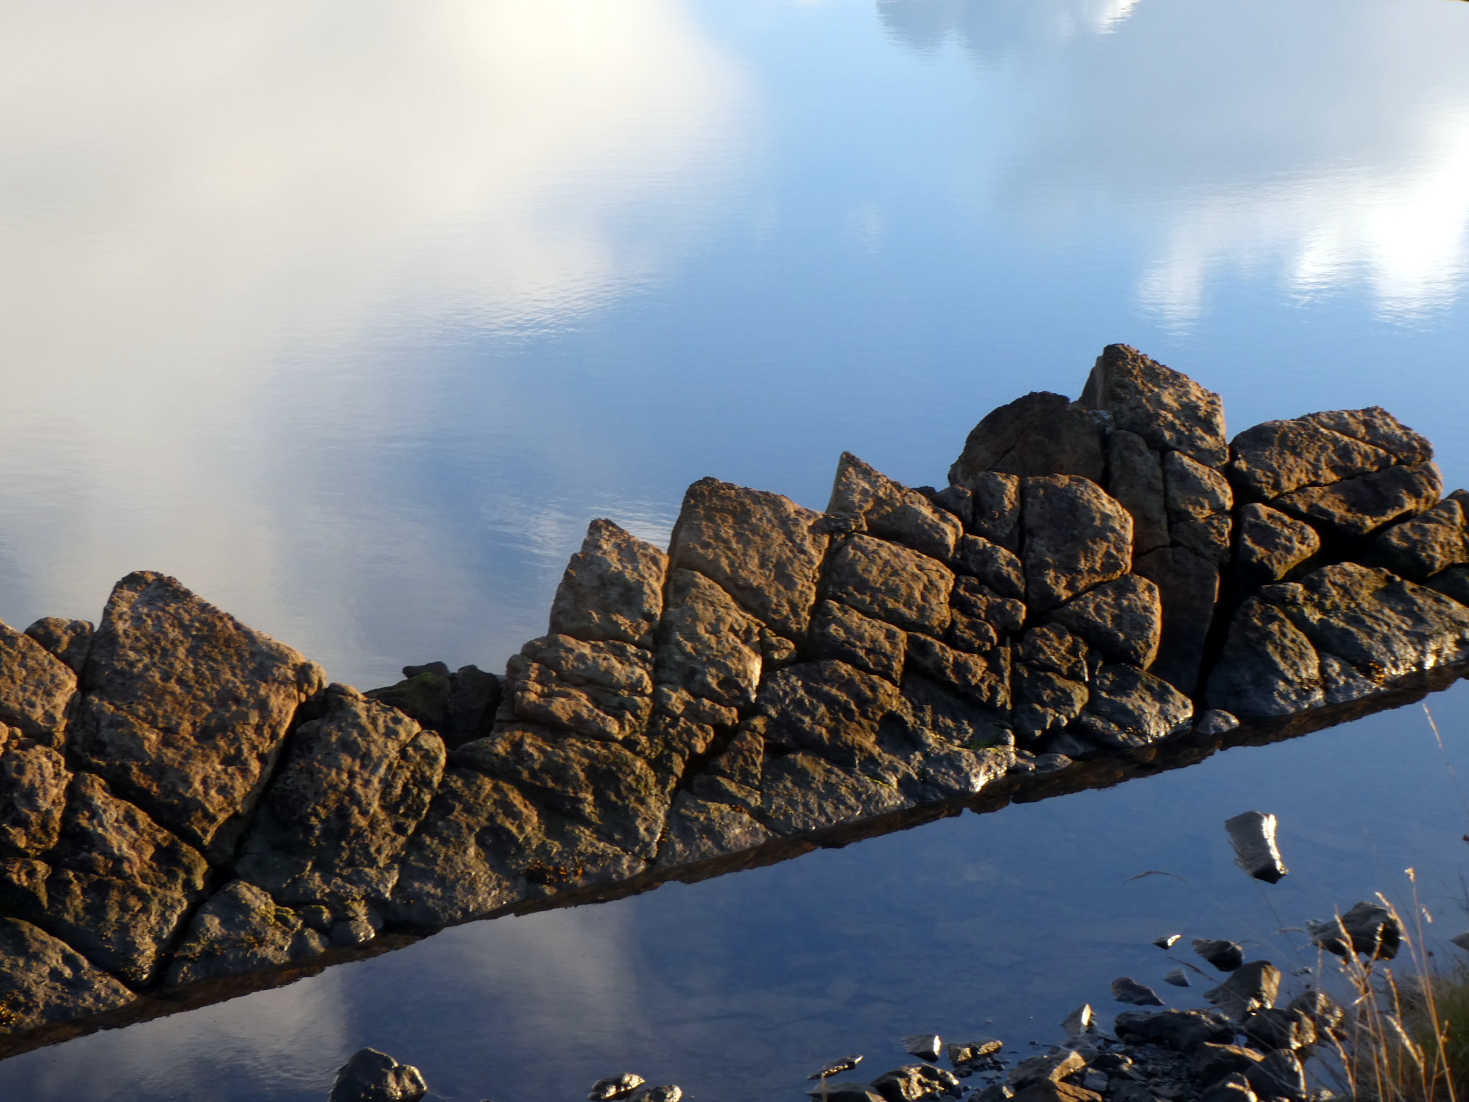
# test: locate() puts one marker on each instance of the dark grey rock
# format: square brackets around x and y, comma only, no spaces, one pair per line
[890,582]
[1044,702]
[1075,537]
[890,510]
[239,930]
[1167,409]
[1279,1075]
[1222,954]
[1215,722]
[615,1086]
[1368,928]
[68,640]
[1050,1067]
[1211,1061]
[1232,1088]
[983,678]
[1250,987]
[912,1082]
[1079,1021]
[967,1055]
[1180,1030]
[1425,545]
[1047,1091]
[842,1090]
[1199,505]
[1125,989]
[662,1092]
[1039,434]
[1167,941]
[1319,1008]
[1268,667]
[1281,1028]
[36,688]
[1270,545]
[980,619]
[46,982]
[844,633]
[1188,587]
[1122,619]
[836,1067]
[926,1045]
[612,588]
[1135,479]
[1178,978]
[1252,834]
[373,1076]
[1129,709]
[828,708]
[1452,583]
[1358,506]
[995,507]
[760,548]
[186,708]
[350,791]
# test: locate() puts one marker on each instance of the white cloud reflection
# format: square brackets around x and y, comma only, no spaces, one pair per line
[216,217]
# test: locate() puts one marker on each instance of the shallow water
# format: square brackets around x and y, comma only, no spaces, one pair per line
[352,318]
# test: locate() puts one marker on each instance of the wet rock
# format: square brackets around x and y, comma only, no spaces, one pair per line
[1223,955]
[1039,434]
[240,929]
[1129,709]
[1049,1067]
[828,708]
[995,507]
[760,548]
[1418,548]
[33,784]
[1177,977]
[1355,507]
[1075,537]
[1167,409]
[68,640]
[186,708]
[836,1067]
[1043,701]
[36,688]
[992,565]
[1268,667]
[1367,928]
[1251,987]
[352,788]
[115,885]
[890,510]
[844,633]
[1188,586]
[1122,619]
[966,1055]
[610,789]
[1125,989]
[599,690]
[1167,941]
[1135,479]
[615,1086]
[926,1045]
[700,828]
[373,1076]
[913,1081]
[707,646]
[612,589]
[1180,1030]
[1281,1028]
[44,981]
[1215,722]
[1270,545]
[1252,834]
[891,582]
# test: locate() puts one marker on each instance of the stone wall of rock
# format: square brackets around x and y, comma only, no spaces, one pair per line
[1105,586]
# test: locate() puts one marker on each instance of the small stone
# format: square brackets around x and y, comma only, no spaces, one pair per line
[1167,941]
[1252,833]
[1461,940]
[915,1081]
[1221,954]
[373,1076]
[1176,978]
[1048,1067]
[1369,928]
[1128,990]
[1214,722]
[615,1086]
[1252,987]
[1180,1030]
[1079,1021]
[965,1054]
[926,1045]
[836,1067]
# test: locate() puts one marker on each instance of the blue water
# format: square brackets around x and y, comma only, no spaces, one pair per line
[352,316]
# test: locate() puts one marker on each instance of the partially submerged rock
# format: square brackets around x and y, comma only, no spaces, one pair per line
[373,1076]
[1252,834]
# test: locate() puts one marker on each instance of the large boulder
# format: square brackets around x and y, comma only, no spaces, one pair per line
[347,796]
[1122,619]
[1356,507]
[33,784]
[36,688]
[1278,457]
[889,510]
[238,930]
[600,689]
[1268,666]
[185,708]
[707,645]
[1167,409]
[46,982]
[1076,536]
[612,588]
[1128,709]
[760,548]
[891,583]
[1417,549]
[1039,434]
[1269,545]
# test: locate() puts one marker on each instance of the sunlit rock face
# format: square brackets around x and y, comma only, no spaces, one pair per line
[185,802]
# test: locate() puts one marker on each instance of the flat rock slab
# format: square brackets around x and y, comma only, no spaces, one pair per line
[186,708]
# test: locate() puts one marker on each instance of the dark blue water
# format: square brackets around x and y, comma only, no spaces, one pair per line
[351,317]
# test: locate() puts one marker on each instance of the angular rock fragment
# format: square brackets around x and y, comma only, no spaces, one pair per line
[912,1082]
[1046,1091]
[1122,619]
[1250,987]
[1368,928]
[993,566]
[700,828]
[1211,1062]
[995,507]
[1222,954]
[1276,1029]
[980,619]
[1050,1066]
[1278,457]
[1039,434]
[1177,977]
[1270,545]
[186,708]
[662,1092]
[1125,989]
[844,633]
[1267,666]
[1044,702]
[890,510]
[836,1067]
[1129,709]
[965,1055]
[828,708]
[615,1086]
[1199,504]
[373,1076]
[33,784]
[706,645]
[598,689]
[1075,537]
[891,583]
[1279,1075]
[1079,1021]
[1167,941]
[68,640]
[345,799]
[240,929]
[612,588]
[1424,545]
[926,1045]
[1232,1088]
[983,678]
[1051,647]
[1167,409]
[1135,479]
[1252,834]
[1180,1030]
[760,548]
[44,981]
[1355,507]
[36,688]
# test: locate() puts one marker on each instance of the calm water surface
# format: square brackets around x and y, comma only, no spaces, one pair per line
[351,316]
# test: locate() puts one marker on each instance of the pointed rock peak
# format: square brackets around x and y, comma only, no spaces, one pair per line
[1166,408]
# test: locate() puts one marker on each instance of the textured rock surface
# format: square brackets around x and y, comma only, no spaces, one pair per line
[612,588]
[44,981]
[36,688]
[1075,537]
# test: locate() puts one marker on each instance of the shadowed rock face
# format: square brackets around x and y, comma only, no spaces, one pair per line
[185,806]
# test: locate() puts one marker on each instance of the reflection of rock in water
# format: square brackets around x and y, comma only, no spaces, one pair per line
[1104,588]
[990,29]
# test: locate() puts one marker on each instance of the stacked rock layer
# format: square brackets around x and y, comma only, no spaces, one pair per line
[187,806]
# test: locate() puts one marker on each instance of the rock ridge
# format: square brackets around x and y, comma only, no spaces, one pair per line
[1104,588]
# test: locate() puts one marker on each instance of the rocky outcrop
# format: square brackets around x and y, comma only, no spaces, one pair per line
[1104,586]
